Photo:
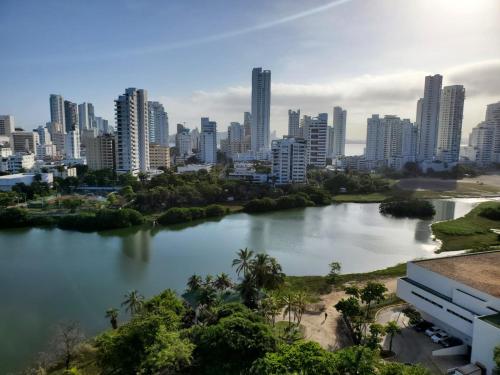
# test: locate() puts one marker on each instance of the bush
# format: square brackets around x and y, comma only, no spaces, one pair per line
[413,208]
[282,203]
[492,213]
[101,220]
[260,205]
[176,215]
[215,210]
[14,218]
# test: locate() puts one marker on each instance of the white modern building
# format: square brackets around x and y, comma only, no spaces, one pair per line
[289,160]
[132,137]
[461,295]
[183,143]
[294,123]
[86,116]
[72,144]
[208,141]
[451,111]
[339,131]
[7,125]
[316,136]
[428,117]
[261,109]
[157,124]
[17,162]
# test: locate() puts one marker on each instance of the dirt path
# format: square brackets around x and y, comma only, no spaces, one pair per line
[331,333]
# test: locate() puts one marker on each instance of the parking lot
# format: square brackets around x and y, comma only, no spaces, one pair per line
[416,347]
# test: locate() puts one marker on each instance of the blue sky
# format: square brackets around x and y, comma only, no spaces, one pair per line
[369,56]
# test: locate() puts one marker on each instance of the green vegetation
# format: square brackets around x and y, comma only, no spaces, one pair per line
[361,198]
[472,231]
[281,203]
[177,215]
[103,219]
[413,208]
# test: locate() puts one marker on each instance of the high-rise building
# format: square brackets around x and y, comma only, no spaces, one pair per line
[375,136]
[428,118]
[57,136]
[493,120]
[339,130]
[101,153]
[316,140]
[132,141]
[293,123]
[70,116]
[24,141]
[43,135]
[57,109]
[86,116]
[451,111]
[492,111]
[158,123]
[72,144]
[159,156]
[102,126]
[289,160]
[208,141]
[7,125]
[329,142]
[236,138]
[183,142]
[247,138]
[484,140]
[261,109]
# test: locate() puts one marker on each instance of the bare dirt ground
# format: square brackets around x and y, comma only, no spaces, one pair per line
[481,185]
[331,333]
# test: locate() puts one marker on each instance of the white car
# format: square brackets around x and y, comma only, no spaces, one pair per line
[439,336]
[431,331]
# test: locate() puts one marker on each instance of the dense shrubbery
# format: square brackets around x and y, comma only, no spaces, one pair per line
[101,220]
[408,208]
[14,218]
[178,215]
[284,202]
[492,213]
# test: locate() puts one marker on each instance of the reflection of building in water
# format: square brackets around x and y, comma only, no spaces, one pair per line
[135,254]
[423,231]
[445,210]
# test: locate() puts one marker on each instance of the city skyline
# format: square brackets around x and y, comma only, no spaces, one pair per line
[303,77]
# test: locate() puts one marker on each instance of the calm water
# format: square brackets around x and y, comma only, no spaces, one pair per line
[47,276]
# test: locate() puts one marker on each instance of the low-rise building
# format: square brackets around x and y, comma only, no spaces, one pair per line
[461,295]
[245,171]
[193,168]
[159,156]
[7,182]
[17,162]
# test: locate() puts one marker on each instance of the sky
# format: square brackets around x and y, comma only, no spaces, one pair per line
[196,56]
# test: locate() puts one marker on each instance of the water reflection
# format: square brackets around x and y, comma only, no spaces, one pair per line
[445,210]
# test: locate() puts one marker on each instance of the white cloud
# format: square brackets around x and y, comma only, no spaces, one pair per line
[363,95]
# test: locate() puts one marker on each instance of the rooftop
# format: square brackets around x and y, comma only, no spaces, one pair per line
[480,271]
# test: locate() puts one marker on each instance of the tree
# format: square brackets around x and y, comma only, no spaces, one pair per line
[351,313]
[335,268]
[372,292]
[413,315]
[242,263]
[271,307]
[133,302]
[112,315]
[222,282]
[248,292]
[352,290]
[301,299]
[496,357]
[376,332]
[66,340]
[288,301]
[194,283]
[392,329]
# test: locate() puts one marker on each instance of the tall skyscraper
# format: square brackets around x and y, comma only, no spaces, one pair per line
[329,142]
[72,144]
[339,130]
[293,123]
[86,116]
[158,124]
[208,141]
[428,118]
[289,160]
[235,137]
[316,141]
[132,146]
[183,142]
[7,125]
[57,109]
[375,135]
[451,112]
[70,116]
[261,109]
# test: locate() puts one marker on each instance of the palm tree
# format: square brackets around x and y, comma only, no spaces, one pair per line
[248,292]
[133,302]
[242,263]
[392,329]
[301,299]
[222,282]
[194,283]
[112,315]
[209,279]
[288,301]
[271,307]
[260,267]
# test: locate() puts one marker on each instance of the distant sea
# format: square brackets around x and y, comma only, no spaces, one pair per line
[354,149]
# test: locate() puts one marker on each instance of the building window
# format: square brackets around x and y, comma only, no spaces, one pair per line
[460,316]
[427,299]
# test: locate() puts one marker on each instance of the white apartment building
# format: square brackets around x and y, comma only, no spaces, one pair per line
[57,109]
[72,144]
[261,109]
[451,111]
[294,123]
[86,116]
[7,125]
[16,162]
[339,131]
[132,138]
[317,129]
[461,295]
[288,157]
[208,141]
[157,124]
[428,117]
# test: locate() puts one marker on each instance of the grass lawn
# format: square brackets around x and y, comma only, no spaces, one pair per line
[361,198]
[469,232]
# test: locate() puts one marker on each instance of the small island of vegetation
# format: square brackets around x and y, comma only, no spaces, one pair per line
[412,208]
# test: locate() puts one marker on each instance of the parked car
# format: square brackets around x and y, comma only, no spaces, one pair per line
[439,337]
[431,331]
[451,341]
[422,326]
